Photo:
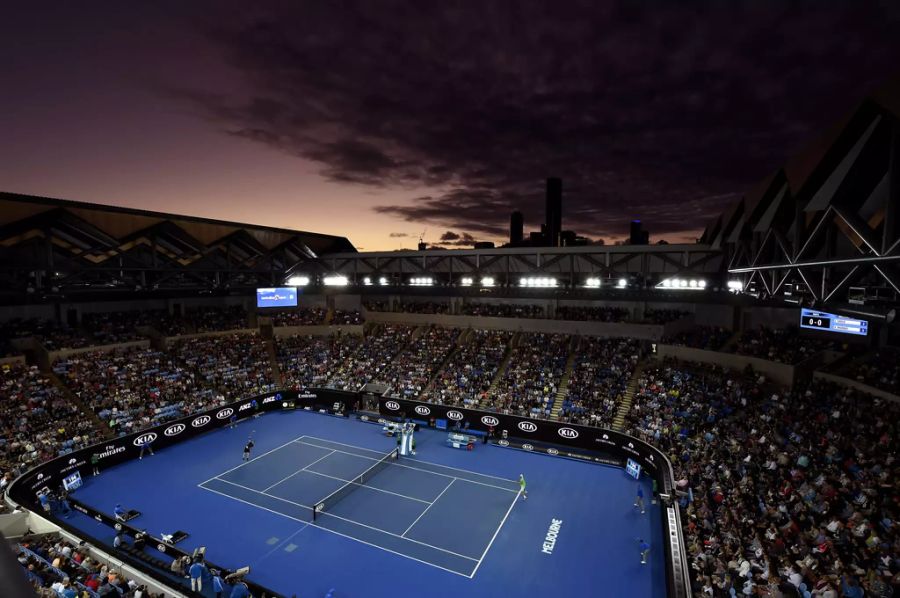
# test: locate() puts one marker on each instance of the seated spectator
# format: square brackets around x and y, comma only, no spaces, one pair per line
[502,310]
[468,374]
[591,313]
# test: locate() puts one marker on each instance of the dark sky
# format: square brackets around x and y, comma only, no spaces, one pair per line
[383,119]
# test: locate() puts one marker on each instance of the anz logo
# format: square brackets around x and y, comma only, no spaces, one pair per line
[527,447]
[490,420]
[422,410]
[552,451]
[175,430]
[454,415]
[201,421]
[568,433]
[246,406]
[528,426]
[268,400]
[145,439]
[224,413]
[392,405]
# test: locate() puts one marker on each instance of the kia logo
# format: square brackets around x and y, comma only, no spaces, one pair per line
[201,421]
[145,439]
[381,420]
[364,418]
[568,433]
[175,430]
[503,442]
[552,451]
[527,447]
[489,420]
[224,413]
[392,405]
[454,415]
[422,410]
[528,426]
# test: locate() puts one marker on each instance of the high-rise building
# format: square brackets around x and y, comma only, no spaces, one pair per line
[516,228]
[638,236]
[554,211]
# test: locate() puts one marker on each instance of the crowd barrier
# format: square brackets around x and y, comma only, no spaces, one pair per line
[49,476]
[581,442]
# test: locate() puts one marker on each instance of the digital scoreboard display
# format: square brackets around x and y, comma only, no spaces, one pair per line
[276,297]
[820,320]
[633,468]
[72,481]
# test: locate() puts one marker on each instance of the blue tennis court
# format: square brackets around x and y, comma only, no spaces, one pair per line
[431,513]
[443,523]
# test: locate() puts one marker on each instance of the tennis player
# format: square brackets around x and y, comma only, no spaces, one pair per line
[645,550]
[522,486]
[639,500]
[247,448]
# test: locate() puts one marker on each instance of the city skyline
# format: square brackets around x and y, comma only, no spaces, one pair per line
[379,123]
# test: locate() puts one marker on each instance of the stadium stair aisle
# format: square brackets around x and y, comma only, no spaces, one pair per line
[99,425]
[273,361]
[625,405]
[564,381]
[462,340]
[329,316]
[513,343]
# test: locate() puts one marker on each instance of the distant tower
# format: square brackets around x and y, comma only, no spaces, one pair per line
[639,236]
[554,211]
[516,228]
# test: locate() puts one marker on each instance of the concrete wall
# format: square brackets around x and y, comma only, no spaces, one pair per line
[778,372]
[11,360]
[64,353]
[850,383]
[604,329]
[356,330]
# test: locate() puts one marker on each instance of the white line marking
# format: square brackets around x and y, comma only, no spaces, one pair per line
[354,522]
[324,529]
[324,475]
[484,554]
[254,459]
[444,475]
[298,471]
[280,544]
[403,535]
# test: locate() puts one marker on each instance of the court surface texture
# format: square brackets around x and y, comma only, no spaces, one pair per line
[446,522]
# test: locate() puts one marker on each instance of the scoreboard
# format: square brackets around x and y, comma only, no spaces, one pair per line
[820,320]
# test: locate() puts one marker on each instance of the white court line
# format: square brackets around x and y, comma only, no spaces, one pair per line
[444,475]
[403,535]
[280,544]
[354,522]
[296,472]
[324,529]
[484,475]
[325,475]
[254,459]
[484,554]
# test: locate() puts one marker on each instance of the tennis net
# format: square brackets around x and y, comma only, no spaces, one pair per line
[341,493]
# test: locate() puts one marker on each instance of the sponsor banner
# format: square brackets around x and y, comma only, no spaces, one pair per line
[109,453]
[147,438]
[596,441]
